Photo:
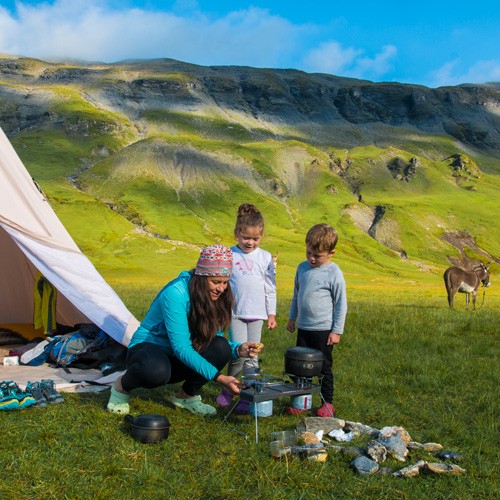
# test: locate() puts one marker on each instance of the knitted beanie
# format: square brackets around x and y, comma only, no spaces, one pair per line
[215,260]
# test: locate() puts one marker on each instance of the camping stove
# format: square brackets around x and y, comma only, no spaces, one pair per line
[262,387]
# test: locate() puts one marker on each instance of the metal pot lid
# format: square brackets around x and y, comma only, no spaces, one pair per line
[149,421]
[303,354]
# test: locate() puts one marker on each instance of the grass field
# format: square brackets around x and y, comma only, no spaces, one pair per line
[405,360]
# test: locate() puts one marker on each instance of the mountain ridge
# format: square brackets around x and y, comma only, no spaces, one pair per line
[173,148]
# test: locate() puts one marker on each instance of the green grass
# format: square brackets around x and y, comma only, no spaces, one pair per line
[405,360]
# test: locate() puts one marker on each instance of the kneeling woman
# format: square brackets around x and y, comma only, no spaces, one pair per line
[181,337]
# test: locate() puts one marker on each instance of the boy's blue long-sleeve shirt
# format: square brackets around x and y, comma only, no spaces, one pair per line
[319,298]
[166,325]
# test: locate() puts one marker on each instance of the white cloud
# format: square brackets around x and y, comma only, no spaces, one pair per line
[331,57]
[479,72]
[90,30]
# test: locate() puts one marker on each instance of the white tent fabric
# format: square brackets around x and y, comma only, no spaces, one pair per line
[32,237]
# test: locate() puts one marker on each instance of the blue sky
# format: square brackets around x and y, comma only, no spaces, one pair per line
[433,43]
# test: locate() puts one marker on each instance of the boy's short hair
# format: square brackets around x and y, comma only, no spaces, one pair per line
[322,238]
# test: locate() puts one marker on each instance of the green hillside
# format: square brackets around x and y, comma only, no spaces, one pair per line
[147,163]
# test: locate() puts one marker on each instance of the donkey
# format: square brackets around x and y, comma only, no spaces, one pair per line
[468,282]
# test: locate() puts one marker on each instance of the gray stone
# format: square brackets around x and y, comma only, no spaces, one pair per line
[353,451]
[385,471]
[376,451]
[400,432]
[364,466]
[315,424]
[331,447]
[432,447]
[396,447]
[444,469]
[411,470]
[450,455]
[414,445]
[360,429]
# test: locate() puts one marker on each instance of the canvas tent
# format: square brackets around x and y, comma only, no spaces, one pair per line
[33,238]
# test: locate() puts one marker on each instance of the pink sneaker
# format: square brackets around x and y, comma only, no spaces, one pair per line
[295,411]
[327,410]
[224,398]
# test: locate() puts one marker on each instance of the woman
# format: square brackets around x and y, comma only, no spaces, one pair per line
[181,338]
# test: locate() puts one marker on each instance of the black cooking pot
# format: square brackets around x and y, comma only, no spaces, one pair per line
[303,361]
[148,428]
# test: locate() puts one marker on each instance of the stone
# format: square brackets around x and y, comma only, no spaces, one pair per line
[395,431]
[353,451]
[396,447]
[444,469]
[307,438]
[450,455]
[360,429]
[315,424]
[411,470]
[432,447]
[332,448]
[340,435]
[364,466]
[376,451]
[384,471]
[317,455]
[414,445]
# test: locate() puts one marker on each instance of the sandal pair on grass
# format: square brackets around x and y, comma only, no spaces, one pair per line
[119,403]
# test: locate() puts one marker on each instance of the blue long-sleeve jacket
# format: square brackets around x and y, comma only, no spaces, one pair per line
[166,324]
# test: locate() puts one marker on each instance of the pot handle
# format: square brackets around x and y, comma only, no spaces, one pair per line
[129,419]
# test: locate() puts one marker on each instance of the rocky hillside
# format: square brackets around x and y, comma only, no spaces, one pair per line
[161,141]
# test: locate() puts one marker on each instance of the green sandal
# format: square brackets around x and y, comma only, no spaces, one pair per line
[194,405]
[118,402]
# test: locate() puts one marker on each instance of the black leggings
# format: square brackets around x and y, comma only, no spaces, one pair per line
[317,340]
[149,366]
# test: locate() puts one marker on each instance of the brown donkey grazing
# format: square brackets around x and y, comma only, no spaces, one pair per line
[468,282]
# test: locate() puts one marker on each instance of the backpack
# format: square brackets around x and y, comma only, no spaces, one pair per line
[73,345]
[37,353]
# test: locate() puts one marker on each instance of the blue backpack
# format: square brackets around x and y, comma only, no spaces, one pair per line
[37,353]
[70,346]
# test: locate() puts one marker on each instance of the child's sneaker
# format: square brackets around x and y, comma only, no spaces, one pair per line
[295,411]
[25,399]
[37,392]
[327,410]
[50,393]
[243,407]
[224,398]
[7,400]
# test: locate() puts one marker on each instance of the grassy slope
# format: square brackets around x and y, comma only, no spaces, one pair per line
[406,360]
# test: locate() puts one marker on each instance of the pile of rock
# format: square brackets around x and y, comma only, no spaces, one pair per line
[389,442]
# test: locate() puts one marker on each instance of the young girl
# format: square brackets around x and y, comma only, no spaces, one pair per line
[254,288]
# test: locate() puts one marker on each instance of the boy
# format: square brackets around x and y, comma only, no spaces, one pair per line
[319,305]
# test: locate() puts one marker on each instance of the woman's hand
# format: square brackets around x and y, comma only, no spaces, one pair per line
[232,384]
[249,349]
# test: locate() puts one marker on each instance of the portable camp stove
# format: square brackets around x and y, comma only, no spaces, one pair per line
[262,388]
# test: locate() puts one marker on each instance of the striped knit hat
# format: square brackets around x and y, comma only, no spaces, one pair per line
[215,260]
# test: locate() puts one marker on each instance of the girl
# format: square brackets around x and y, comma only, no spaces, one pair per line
[181,339]
[254,287]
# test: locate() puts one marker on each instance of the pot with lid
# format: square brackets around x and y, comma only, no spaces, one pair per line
[303,361]
[148,428]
